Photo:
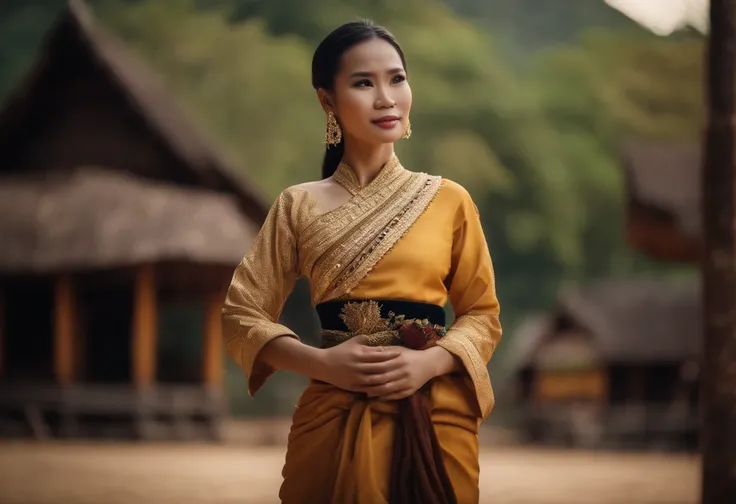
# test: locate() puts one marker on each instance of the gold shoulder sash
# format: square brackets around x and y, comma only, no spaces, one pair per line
[342,246]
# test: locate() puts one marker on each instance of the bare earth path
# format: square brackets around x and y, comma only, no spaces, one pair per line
[176,474]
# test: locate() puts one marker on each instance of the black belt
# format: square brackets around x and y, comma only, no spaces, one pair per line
[329,312]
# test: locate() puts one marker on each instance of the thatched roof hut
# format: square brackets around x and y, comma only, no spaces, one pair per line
[120,227]
[96,218]
[615,363]
[628,321]
[663,199]
[98,167]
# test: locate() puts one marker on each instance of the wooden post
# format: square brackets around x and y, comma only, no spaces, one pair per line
[212,347]
[718,376]
[3,351]
[144,327]
[64,331]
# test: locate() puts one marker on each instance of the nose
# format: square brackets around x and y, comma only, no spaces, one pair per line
[383,99]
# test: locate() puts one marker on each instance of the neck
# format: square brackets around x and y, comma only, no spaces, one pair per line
[366,161]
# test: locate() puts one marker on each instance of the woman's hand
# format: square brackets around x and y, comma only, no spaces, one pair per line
[355,366]
[408,372]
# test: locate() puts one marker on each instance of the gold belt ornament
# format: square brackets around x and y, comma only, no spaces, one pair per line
[364,318]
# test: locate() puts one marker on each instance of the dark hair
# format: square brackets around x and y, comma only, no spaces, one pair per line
[326,64]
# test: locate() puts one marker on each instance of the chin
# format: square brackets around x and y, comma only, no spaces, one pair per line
[380,138]
[388,138]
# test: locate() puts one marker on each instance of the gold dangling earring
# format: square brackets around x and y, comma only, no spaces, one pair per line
[333,132]
[407,131]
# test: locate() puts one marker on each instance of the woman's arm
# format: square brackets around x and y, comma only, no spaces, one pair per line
[474,335]
[259,287]
[443,362]
[292,355]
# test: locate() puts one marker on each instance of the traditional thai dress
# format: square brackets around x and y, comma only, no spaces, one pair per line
[394,252]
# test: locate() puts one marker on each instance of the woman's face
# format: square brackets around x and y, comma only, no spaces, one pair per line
[371,97]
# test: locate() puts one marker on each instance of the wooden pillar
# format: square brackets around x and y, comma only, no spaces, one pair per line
[65,330]
[3,351]
[212,347]
[718,373]
[144,328]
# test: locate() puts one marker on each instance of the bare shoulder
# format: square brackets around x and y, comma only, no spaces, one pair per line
[321,190]
[311,185]
[316,187]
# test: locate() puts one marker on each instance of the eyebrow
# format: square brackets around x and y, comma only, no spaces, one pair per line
[371,74]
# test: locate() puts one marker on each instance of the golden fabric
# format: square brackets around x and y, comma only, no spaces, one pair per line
[339,447]
[406,236]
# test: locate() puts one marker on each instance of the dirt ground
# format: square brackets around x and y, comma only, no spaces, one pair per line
[227,474]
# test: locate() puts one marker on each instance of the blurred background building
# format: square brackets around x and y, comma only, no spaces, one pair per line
[613,365]
[120,228]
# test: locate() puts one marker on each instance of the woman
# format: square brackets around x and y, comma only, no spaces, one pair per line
[392,411]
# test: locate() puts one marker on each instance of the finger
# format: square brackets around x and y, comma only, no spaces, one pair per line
[377,354]
[373,380]
[386,366]
[385,389]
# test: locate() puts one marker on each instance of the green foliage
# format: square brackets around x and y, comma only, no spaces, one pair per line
[526,26]
[22,26]
[607,88]
[248,88]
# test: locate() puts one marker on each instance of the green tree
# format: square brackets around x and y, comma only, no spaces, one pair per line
[22,27]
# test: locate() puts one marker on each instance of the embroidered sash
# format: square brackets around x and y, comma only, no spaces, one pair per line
[346,243]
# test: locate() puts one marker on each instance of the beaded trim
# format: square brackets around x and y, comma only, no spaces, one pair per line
[387,237]
[343,244]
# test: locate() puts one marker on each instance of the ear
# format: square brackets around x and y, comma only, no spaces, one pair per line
[326,99]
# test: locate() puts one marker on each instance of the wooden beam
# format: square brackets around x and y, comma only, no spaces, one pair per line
[65,330]
[144,328]
[718,392]
[212,347]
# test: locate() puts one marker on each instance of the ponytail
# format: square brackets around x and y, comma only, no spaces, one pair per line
[333,156]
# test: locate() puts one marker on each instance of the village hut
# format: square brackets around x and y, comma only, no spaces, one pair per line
[613,364]
[663,199]
[120,230]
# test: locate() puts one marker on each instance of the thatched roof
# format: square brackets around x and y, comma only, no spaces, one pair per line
[146,95]
[663,184]
[73,206]
[630,321]
[97,218]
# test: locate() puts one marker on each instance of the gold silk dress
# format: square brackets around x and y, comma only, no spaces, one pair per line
[406,236]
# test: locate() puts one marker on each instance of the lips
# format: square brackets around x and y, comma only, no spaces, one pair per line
[386,122]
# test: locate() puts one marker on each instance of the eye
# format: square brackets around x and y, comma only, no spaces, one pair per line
[362,83]
[398,79]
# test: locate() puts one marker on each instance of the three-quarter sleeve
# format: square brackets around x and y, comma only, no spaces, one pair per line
[260,285]
[477,330]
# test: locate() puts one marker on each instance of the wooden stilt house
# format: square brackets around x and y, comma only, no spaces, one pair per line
[120,228]
[618,363]
[613,364]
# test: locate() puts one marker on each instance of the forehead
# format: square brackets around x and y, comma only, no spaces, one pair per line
[374,55]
